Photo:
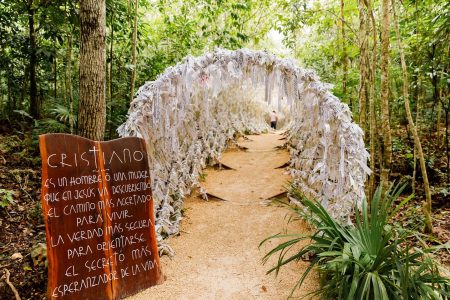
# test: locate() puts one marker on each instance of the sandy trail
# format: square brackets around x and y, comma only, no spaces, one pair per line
[217,255]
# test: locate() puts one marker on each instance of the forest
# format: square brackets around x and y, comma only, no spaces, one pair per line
[388,60]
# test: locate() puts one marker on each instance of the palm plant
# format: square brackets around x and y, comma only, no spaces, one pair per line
[367,260]
[63,114]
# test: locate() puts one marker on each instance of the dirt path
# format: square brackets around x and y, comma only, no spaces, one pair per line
[217,255]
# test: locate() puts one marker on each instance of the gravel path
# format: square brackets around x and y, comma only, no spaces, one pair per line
[217,254]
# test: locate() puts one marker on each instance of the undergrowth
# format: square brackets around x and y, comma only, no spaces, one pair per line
[371,259]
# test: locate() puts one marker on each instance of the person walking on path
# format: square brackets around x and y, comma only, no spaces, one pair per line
[273,120]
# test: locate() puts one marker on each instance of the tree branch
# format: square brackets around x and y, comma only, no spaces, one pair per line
[6,276]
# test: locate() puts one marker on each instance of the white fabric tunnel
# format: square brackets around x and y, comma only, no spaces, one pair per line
[189,113]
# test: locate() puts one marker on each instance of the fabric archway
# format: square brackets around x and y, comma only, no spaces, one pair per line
[190,112]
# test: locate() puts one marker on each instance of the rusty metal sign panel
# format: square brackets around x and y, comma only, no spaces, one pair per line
[98,212]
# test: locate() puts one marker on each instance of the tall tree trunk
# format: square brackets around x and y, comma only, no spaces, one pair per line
[447,150]
[418,95]
[385,123]
[92,105]
[110,84]
[344,55]
[412,127]
[435,82]
[3,94]
[363,63]
[419,111]
[34,104]
[121,93]
[445,97]
[129,12]
[11,99]
[438,121]
[10,104]
[8,82]
[133,51]
[1,71]
[68,82]
[372,111]
[55,72]
[5,99]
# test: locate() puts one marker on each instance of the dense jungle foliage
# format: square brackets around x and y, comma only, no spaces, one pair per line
[385,59]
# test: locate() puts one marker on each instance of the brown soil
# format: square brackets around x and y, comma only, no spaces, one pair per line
[21,222]
[217,254]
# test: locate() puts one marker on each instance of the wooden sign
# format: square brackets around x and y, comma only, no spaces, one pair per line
[98,211]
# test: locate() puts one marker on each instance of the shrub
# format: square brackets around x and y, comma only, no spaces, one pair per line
[6,198]
[367,260]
